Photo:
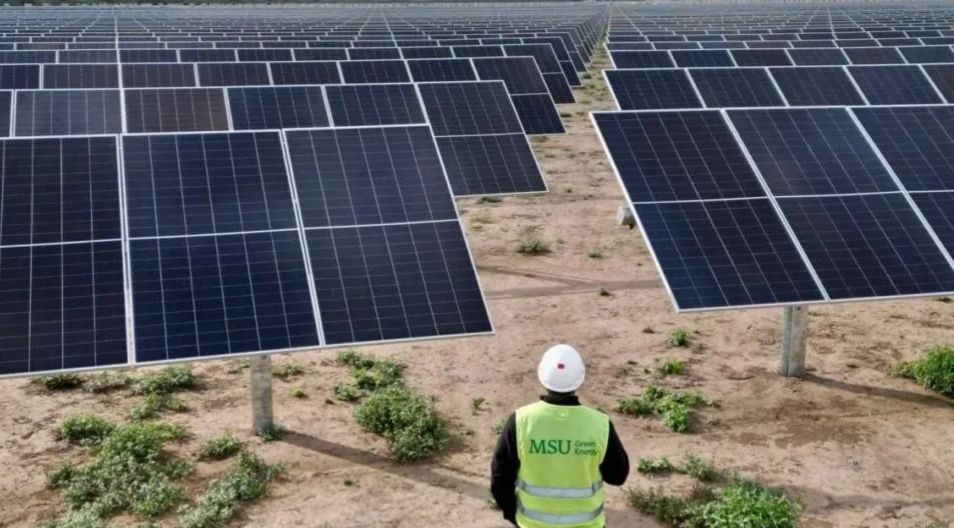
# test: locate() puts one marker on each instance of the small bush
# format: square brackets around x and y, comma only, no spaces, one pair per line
[533,246]
[748,505]
[155,404]
[679,337]
[935,371]
[84,429]
[673,367]
[649,466]
[669,510]
[219,448]
[299,393]
[347,393]
[673,407]
[166,381]
[700,469]
[58,382]
[82,518]
[409,421]
[247,480]
[288,370]
[380,376]
[476,404]
[107,382]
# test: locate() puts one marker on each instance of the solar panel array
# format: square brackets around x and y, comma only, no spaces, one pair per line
[186,183]
[781,155]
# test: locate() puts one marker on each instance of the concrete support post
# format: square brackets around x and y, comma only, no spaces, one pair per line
[794,341]
[624,216]
[260,382]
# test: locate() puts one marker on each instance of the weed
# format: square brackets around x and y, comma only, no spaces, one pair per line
[409,421]
[700,469]
[381,375]
[679,337]
[84,429]
[247,480]
[934,371]
[347,393]
[490,199]
[670,510]
[107,382]
[288,370]
[219,448]
[166,381]
[946,300]
[648,330]
[649,466]
[673,367]
[155,404]
[533,246]
[595,254]
[82,518]
[476,404]
[298,392]
[566,115]
[272,433]
[356,360]
[58,382]
[673,407]
[748,505]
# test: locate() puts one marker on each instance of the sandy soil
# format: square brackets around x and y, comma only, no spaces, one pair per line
[859,448]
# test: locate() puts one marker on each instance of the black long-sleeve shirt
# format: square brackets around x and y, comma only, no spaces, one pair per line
[506,462]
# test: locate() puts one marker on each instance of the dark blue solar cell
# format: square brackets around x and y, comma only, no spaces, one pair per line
[641,59]
[80,76]
[375,104]
[68,112]
[811,151]
[938,209]
[927,54]
[437,70]
[542,53]
[917,142]
[702,58]
[62,306]
[665,156]
[194,184]
[726,253]
[264,55]
[943,77]
[305,72]
[207,55]
[761,57]
[393,282]
[652,89]
[559,88]
[492,164]
[874,55]
[730,87]
[218,295]
[478,51]
[87,56]
[148,55]
[233,74]
[59,190]
[884,85]
[373,53]
[158,75]
[175,110]
[277,107]
[27,57]
[6,100]
[816,86]
[385,71]
[321,54]
[538,114]
[817,56]
[519,74]
[469,108]
[426,52]
[360,176]
[868,246]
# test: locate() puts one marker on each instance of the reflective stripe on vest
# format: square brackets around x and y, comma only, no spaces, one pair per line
[577,518]
[560,493]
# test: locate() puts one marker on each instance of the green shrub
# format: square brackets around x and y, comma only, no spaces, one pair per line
[748,505]
[347,393]
[673,407]
[679,337]
[699,469]
[382,375]
[673,367]
[166,381]
[649,466]
[219,448]
[57,382]
[247,480]
[935,371]
[82,518]
[356,360]
[288,370]
[533,246]
[107,382]
[299,393]
[155,404]
[409,421]
[84,429]
[670,510]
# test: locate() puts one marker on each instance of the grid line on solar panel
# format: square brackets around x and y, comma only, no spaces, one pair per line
[469,108]
[175,110]
[490,164]
[938,211]
[538,114]
[652,89]
[67,112]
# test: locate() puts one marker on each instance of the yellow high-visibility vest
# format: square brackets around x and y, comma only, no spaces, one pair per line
[559,484]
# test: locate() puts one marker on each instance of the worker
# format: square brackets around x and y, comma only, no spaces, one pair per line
[554,456]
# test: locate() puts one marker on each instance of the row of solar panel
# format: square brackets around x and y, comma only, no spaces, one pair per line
[781,206]
[794,86]
[620,33]
[793,57]
[228,252]
[778,45]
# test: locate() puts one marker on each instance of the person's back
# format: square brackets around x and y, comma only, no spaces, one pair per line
[554,456]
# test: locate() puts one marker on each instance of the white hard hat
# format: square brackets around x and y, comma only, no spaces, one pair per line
[561,369]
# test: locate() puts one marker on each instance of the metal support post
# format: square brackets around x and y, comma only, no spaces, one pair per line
[260,382]
[794,341]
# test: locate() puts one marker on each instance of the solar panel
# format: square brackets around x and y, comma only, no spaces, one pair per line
[80,56]
[652,89]
[207,55]
[942,75]
[27,57]
[147,55]
[519,74]
[79,76]
[702,58]
[884,85]
[305,73]
[538,114]
[321,54]
[477,51]
[233,74]
[761,57]
[816,86]
[938,210]
[374,104]
[6,101]
[729,87]
[175,110]
[426,52]
[438,70]
[373,53]
[927,54]
[268,55]
[490,164]
[67,112]
[811,151]
[19,76]
[642,59]
[265,107]
[817,56]
[158,75]
[357,72]
[469,108]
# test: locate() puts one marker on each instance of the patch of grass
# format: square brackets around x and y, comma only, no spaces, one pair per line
[934,371]
[383,374]
[490,199]
[700,469]
[288,370]
[679,338]
[356,360]
[409,421]
[107,382]
[166,381]
[85,429]
[673,407]
[219,448]
[595,254]
[669,510]
[672,367]
[59,382]
[246,481]
[533,246]
[236,367]
[82,518]
[347,393]
[649,466]
[154,405]
[298,393]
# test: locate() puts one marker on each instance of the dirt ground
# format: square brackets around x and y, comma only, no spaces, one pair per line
[857,447]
